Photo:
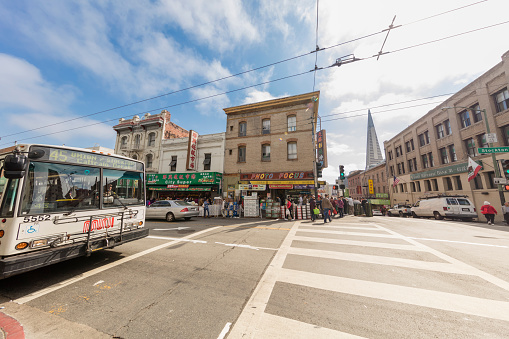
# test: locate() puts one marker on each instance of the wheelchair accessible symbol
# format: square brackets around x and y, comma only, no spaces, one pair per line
[33,229]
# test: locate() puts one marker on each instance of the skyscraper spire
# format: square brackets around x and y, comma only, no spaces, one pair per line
[373,154]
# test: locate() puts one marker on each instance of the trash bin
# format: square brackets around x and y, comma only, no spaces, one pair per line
[357,209]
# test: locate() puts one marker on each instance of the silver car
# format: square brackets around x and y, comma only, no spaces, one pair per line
[171,210]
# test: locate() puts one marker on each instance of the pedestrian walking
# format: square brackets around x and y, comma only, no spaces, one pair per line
[327,207]
[319,204]
[489,212]
[206,212]
[505,210]
[312,206]
[341,205]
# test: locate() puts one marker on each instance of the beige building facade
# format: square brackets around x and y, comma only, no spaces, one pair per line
[271,143]
[430,156]
[142,138]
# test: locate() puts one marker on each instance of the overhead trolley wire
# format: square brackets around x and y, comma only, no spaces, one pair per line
[231,76]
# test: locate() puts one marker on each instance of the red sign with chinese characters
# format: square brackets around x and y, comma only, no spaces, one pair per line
[192,151]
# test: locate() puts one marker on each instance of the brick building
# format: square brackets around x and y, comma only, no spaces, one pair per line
[430,156]
[142,138]
[270,143]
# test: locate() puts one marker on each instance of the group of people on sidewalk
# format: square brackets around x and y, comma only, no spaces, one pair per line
[489,212]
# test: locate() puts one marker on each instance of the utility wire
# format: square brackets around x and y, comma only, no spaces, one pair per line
[262,83]
[316,44]
[233,75]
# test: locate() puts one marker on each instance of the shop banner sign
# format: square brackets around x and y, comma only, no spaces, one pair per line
[303,187]
[449,170]
[379,202]
[282,182]
[277,176]
[281,187]
[192,151]
[177,186]
[195,178]
[252,187]
[382,195]
[321,147]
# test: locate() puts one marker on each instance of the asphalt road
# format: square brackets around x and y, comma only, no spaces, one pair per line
[250,278]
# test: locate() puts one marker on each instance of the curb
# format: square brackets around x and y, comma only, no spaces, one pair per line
[11,328]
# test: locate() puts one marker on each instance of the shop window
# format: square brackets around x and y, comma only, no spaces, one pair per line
[292,123]
[431,161]
[501,100]
[448,184]
[266,152]
[242,154]
[427,185]
[173,163]
[435,184]
[242,129]
[292,150]
[266,126]
[457,180]
[418,186]
[489,176]
[477,182]
[207,161]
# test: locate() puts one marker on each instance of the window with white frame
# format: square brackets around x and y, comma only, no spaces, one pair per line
[292,150]
[266,126]
[501,100]
[465,118]
[151,139]
[292,123]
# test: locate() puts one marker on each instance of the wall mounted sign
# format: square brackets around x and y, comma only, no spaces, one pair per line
[192,152]
[277,175]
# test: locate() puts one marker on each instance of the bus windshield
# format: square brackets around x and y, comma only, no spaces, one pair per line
[53,188]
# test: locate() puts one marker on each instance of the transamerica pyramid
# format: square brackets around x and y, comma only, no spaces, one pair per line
[373,154]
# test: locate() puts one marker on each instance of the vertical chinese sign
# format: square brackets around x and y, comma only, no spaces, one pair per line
[192,151]
[321,146]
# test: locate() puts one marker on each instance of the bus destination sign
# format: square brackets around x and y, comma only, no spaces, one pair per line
[85,158]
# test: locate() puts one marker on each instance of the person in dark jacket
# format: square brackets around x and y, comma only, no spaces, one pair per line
[312,205]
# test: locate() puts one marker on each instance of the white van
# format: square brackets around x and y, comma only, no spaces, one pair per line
[458,207]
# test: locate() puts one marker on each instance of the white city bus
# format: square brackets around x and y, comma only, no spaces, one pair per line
[58,203]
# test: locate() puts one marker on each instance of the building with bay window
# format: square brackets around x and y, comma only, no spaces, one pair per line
[430,156]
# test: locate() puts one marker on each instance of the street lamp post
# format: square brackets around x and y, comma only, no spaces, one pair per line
[493,158]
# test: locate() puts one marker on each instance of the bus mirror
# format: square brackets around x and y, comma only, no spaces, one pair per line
[36,154]
[15,166]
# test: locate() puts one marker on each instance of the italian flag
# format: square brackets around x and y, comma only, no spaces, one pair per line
[473,169]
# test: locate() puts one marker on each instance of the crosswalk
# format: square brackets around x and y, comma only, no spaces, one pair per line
[353,279]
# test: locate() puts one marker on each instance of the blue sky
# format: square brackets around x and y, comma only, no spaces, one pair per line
[62,60]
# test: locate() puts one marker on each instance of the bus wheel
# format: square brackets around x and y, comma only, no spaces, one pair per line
[170,217]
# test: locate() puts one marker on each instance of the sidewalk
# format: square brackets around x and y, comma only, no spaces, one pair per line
[22,321]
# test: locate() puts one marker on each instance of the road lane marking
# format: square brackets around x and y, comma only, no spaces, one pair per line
[82,276]
[359,243]
[459,242]
[331,232]
[224,331]
[271,326]
[492,309]
[247,246]
[378,260]
[249,319]
[178,239]
[474,271]
[170,229]
[268,228]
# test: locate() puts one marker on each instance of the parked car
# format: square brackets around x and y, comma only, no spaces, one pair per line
[377,212]
[401,210]
[171,210]
[459,207]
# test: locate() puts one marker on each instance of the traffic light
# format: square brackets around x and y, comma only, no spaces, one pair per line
[506,188]
[505,168]
[341,172]
[318,170]
[335,187]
